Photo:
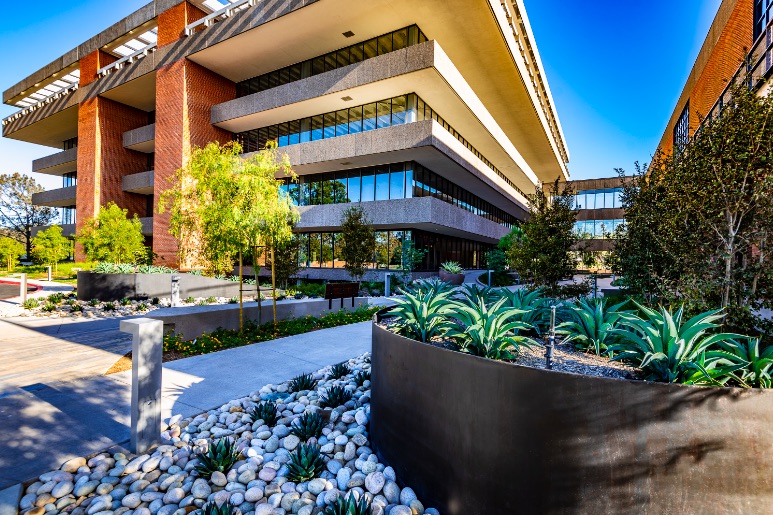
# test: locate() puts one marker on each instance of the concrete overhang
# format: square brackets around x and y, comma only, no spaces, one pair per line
[141,183]
[60,163]
[477,38]
[60,197]
[141,139]
[422,69]
[133,85]
[425,213]
[426,142]
[49,125]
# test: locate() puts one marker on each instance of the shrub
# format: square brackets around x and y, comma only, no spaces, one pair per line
[94,302]
[757,373]
[452,267]
[265,411]
[433,285]
[306,463]
[71,302]
[220,457]
[672,351]
[30,303]
[212,508]
[361,377]
[335,396]
[55,298]
[472,293]
[76,308]
[48,308]
[339,370]
[349,506]
[422,315]
[125,301]
[535,307]
[488,331]
[309,425]
[593,325]
[303,382]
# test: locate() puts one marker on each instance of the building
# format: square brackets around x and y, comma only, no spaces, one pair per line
[438,123]
[740,40]
[599,211]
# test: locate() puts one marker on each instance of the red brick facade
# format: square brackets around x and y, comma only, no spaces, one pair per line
[92,63]
[172,22]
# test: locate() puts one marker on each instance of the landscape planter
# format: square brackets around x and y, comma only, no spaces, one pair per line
[112,287]
[477,436]
[456,279]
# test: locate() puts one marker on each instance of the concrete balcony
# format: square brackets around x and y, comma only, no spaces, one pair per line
[60,163]
[141,183]
[141,139]
[61,197]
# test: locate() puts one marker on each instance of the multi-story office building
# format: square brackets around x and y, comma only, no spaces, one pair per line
[740,41]
[435,116]
[599,210]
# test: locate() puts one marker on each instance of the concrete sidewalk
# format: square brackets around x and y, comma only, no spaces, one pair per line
[47,424]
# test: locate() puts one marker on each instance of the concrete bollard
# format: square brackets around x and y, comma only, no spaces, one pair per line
[175,291]
[147,353]
[48,271]
[387,284]
[23,288]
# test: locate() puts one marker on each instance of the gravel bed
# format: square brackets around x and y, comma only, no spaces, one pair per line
[165,482]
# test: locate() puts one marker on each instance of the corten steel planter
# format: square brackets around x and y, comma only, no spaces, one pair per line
[456,279]
[111,287]
[476,436]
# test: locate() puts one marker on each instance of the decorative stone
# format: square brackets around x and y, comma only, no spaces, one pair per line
[401,510]
[267,474]
[374,482]
[392,492]
[218,478]
[73,465]
[316,486]
[253,494]
[62,489]
[291,442]
[406,496]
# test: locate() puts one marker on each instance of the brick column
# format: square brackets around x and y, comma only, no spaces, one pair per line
[185,94]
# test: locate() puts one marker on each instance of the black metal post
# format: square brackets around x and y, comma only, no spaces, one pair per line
[551,339]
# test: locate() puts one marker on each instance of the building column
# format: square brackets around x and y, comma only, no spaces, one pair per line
[185,94]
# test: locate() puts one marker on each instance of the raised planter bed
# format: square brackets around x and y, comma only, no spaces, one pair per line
[476,436]
[110,287]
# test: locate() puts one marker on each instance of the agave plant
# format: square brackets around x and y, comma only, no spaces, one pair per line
[219,457]
[489,331]
[671,350]
[432,285]
[535,307]
[472,293]
[212,508]
[306,463]
[303,382]
[335,396]
[757,373]
[309,425]
[265,411]
[452,267]
[339,370]
[592,325]
[361,377]
[349,506]
[421,315]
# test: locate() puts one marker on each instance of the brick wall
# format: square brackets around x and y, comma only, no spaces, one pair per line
[172,22]
[91,64]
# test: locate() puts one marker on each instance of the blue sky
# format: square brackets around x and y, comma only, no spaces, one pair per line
[615,68]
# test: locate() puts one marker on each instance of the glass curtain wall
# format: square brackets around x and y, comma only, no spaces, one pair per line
[610,198]
[597,228]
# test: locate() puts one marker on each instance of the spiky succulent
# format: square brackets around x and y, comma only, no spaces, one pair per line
[265,411]
[219,457]
[212,508]
[349,506]
[306,463]
[308,425]
[339,370]
[335,396]
[361,377]
[303,382]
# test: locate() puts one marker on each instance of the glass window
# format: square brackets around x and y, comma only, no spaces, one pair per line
[356,54]
[400,39]
[342,57]
[329,125]
[303,249]
[619,197]
[330,61]
[294,132]
[609,199]
[397,182]
[385,44]
[369,117]
[382,183]
[354,186]
[382,249]
[303,193]
[355,120]
[337,261]
[327,250]
[315,245]
[370,48]
[316,127]
[398,110]
[384,114]
[318,65]
[408,183]
[342,122]
[368,186]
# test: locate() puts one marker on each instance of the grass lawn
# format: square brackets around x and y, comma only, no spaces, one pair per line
[64,272]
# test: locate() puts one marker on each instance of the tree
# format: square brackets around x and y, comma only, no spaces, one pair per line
[17,213]
[358,241]
[223,205]
[285,260]
[10,251]
[112,237]
[49,247]
[543,253]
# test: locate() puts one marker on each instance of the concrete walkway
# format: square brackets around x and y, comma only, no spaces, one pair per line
[46,424]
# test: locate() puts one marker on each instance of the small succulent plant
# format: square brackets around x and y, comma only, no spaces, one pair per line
[142,306]
[189,300]
[349,506]
[109,306]
[30,304]
[212,508]
[309,425]
[303,382]
[265,411]
[155,301]
[335,396]
[306,463]
[76,308]
[48,308]
[55,298]
[125,301]
[339,370]
[211,300]
[233,300]
[361,377]
[94,302]
[219,457]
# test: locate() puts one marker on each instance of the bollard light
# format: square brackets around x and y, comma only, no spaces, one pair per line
[551,339]
[175,291]
[387,284]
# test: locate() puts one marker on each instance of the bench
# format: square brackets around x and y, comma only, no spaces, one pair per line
[341,291]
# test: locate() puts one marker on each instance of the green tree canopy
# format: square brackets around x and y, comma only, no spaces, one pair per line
[358,241]
[17,213]
[112,237]
[10,251]
[49,247]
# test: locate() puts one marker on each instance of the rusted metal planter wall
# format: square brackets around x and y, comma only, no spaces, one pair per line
[475,436]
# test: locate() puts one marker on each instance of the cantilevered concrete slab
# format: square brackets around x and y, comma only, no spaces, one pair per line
[138,183]
[60,197]
[141,139]
[60,163]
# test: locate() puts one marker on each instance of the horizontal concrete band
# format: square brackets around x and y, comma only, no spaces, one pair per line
[139,182]
[60,197]
[58,163]
[425,213]
[139,135]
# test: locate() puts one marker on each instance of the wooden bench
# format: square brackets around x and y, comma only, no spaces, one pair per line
[341,291]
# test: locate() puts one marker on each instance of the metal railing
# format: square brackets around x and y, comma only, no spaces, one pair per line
[41,103]
[136,56]
[757,67]
[221,14]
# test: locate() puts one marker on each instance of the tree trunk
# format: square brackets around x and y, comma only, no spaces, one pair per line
[273,281]
[241,294]
[256,271]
